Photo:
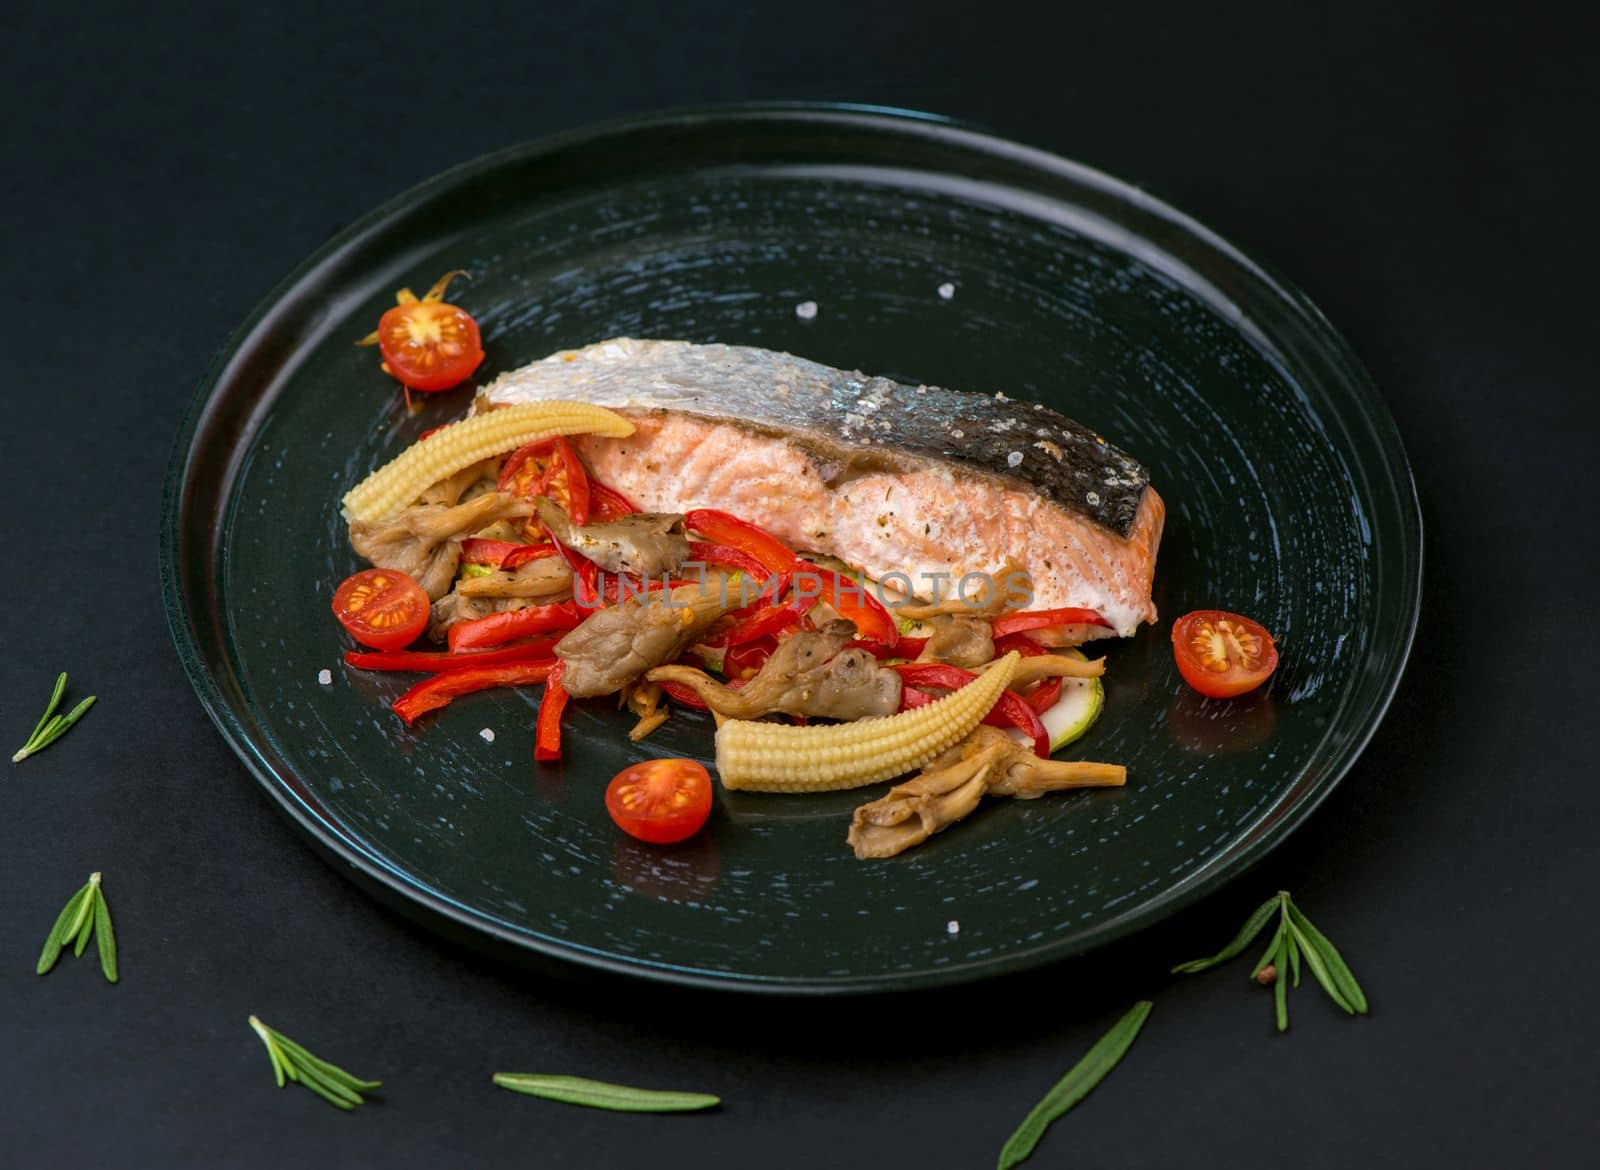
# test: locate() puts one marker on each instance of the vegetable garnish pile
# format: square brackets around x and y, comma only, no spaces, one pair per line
[492,536]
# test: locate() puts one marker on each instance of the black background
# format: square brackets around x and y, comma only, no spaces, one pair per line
[1419,171]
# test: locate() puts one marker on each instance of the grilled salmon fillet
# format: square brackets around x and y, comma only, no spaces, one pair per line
[888,477]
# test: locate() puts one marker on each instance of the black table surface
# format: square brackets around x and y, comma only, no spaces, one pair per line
[1417,170]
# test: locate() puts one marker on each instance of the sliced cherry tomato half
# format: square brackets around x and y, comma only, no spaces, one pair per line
[1222,654]
[551,468]
[427,344]
[660,801]
[381,608]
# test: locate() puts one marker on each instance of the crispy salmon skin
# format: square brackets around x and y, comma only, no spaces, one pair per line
[890,478]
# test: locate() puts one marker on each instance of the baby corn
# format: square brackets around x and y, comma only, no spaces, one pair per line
[775,757]
[388,490]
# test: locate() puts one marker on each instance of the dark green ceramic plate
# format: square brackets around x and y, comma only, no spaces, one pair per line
[1288,493]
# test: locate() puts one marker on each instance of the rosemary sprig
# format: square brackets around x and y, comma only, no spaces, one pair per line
[290,1062]
[600,1095]
[51,726]
[1294,940]
[84,914]
[1081,1078]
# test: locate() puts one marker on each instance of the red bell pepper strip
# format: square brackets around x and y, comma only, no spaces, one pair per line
[908,648]
[585,573]
[437,691]
[855,602]
[547,733]
[503,554]
[617,587]
[733,558]
[522,554]
[1008,711]
[1043,696]
[724,529]
[1013,711]
[577,481]
[475,550]
[607,503]
[745,660]
[586,589]
[767,621]
[1015,623]
[499,628]
[682,695]
[434,661]
[1021,643]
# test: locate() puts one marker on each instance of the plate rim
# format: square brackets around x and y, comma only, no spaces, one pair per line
[400,890]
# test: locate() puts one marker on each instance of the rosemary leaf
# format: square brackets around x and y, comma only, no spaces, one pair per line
[291,1062]
[279,1069]
[1075,1086]
[1280,985]
[105,938]
[600,1095]
[76,713]
[1294,956]
[1338,970]
[51,726]
[325,1086]
[1246,935]
[1324,976]
[50,708]
[58,936]
[85,919]
[333,1072]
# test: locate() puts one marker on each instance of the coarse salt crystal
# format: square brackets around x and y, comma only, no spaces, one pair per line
[325,677]
[947,290]
[806,310]
[953,927]
[488,734]
[1014,459]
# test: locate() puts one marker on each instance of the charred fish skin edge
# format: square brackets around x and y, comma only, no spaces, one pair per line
[878,423]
